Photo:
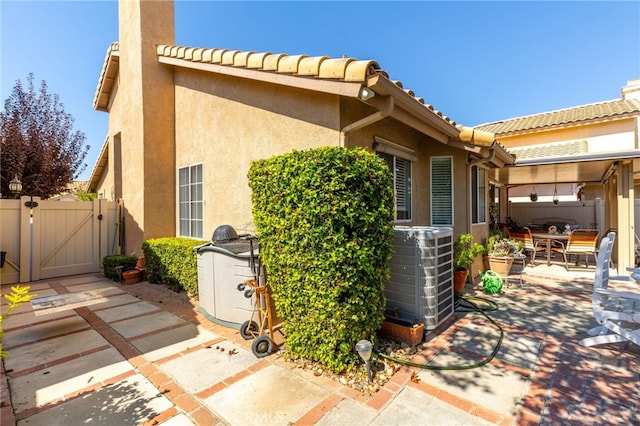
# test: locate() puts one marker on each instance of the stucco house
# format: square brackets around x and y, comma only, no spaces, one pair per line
[592,151]
[185,123]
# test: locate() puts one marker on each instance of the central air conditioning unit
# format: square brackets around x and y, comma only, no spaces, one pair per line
[420,288]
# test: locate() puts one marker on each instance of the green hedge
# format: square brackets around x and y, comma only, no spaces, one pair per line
[172,261]
[110,262]
[324,221]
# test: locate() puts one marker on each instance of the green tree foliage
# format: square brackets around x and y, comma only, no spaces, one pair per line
[86,196]
[38,142]
[324,222]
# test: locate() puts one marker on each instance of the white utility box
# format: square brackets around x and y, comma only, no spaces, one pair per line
[221,268]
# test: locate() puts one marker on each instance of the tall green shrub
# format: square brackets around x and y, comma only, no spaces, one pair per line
[172,261]
[324,221]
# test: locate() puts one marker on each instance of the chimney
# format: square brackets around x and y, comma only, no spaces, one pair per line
[146,120]
[632,89]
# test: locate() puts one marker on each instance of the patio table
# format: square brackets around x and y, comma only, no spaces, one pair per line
[549,238]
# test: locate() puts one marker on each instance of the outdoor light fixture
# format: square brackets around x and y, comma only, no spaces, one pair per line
[366,93]
[534,195]
[31,204]
[364,348]
[15,185]
[555,194]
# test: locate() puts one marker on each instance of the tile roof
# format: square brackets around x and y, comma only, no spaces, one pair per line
[618,108]
[319,67]
[554,150]
[108,77]
[347,69]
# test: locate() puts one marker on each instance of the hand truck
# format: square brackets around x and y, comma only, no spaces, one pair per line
[263,344]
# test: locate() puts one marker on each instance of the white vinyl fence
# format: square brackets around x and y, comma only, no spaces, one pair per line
[591,214]
[55,238]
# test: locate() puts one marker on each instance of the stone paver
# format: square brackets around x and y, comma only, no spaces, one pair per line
[412,404]
[52,383]
[48,351]
[203,368]
[170,342]
[45,330]
[128,402]
[145,324]
[270,396]
[126,311]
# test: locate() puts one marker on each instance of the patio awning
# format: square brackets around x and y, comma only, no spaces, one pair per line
[572,169]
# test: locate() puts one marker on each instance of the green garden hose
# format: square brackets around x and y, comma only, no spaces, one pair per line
[462,304]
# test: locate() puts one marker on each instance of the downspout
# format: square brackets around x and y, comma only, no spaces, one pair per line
[368,120]
[482,160]
[477,138]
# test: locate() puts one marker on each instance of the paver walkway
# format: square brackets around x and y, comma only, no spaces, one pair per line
[145,355]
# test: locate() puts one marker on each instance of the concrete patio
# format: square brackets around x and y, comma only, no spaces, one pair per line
[145,355]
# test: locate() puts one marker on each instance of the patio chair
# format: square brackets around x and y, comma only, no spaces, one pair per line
[616,310]
[615,230]
[581,241]
[526,241]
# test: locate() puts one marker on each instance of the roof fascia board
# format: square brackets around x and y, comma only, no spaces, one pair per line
[415,123]
[500,159]
[340,88]
[580,158]
[381,84]
[98,167]
[107,81]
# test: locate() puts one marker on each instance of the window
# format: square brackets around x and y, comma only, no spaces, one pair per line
[401,170]
[478,195]
[190,201]
[442,191]
[399,159]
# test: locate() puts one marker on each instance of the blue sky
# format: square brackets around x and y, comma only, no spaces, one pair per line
[475,61]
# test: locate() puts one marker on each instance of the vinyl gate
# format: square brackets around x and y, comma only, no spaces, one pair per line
[55,238]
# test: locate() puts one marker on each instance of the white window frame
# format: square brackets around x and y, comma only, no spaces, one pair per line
[399,154]
[478,195]
[441,194]
[191,201]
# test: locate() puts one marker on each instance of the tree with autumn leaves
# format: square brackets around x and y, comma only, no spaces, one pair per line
[39,145]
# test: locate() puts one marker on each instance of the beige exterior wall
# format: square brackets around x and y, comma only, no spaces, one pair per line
[224,123]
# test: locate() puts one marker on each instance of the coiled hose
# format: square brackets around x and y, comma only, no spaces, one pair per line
[462,304]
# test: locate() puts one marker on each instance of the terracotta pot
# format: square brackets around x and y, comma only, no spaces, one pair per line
[141,262]
[459,278]
[501,265]
[132,276]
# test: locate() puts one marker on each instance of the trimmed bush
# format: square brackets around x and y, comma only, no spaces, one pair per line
[110,262]
[324,221]
[172,261]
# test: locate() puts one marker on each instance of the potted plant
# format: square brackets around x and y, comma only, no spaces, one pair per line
[501,253]
[465,250]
